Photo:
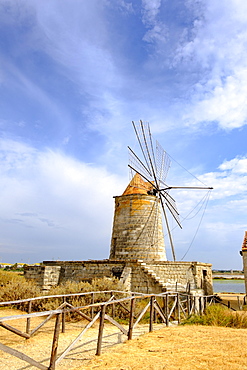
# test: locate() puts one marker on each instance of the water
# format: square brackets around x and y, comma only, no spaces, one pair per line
[228,286]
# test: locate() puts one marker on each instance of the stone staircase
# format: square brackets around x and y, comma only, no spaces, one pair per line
[167,285]
[147,270]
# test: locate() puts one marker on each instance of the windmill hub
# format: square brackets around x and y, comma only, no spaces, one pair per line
[152,192]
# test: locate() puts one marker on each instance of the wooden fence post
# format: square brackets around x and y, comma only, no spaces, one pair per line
[55,343]
[167,309]
[113,307]
[63,318]
[239,304]
[151,313]
[92,308]
[188,305]
[178,307]
[200,305]
[205,304]
[29,310]
[131,318]
[101,327]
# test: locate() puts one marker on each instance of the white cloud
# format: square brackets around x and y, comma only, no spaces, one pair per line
[236,165]
[217,53]
[157,30]
[53,205]
[230,180]
[150,11]
[227,202]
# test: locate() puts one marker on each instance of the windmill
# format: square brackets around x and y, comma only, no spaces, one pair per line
[154,169]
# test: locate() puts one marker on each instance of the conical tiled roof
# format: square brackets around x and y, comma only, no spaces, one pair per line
[244,246]
[137,186]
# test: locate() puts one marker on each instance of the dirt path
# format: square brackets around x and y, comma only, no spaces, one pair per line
[39,346]
[179,347]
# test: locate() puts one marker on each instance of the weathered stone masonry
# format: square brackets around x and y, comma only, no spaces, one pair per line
[137,275]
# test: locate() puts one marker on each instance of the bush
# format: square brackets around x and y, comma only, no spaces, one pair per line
[71,287]
[15,287]
[7,277]
[217,315]
[18,290]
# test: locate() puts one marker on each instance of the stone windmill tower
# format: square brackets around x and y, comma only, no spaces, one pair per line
[137,227]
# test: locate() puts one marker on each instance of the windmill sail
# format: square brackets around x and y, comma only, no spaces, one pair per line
[154,169]
[156,166]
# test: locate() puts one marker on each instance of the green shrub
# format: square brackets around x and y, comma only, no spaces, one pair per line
[217,315]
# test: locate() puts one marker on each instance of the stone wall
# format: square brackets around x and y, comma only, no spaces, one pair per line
[244,255]
[45,276]
[138,276]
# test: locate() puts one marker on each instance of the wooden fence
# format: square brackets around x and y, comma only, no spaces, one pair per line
[170,307]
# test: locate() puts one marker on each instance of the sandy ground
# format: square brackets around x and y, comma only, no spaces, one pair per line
[235,299]
[38,347]
[181,347]
[178,347]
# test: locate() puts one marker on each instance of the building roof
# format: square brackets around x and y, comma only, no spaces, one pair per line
[137,186]
[244,245]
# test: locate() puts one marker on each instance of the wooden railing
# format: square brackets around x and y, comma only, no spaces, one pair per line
[170,307]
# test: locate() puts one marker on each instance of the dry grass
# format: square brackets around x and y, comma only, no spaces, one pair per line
[182,347]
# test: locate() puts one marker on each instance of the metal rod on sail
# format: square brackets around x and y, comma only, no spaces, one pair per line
[149,157]
[150,182]
[138,159]
[139,141]
[168,229]
[186,187]
[152,149]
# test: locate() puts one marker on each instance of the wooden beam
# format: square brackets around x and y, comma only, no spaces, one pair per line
[77,338]
[22,356]
[14,330]
[55,343]
[131,318]
[101,327]
[151,313]
[114,322]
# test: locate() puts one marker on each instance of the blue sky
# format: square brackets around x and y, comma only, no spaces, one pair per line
[74,74]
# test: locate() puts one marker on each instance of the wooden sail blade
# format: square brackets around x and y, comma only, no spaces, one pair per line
[141,141]
[147,138]
[144,136]
[138,165]
[163,163]
[168,228]
[171,205]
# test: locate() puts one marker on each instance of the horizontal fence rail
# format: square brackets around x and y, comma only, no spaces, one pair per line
[170,307]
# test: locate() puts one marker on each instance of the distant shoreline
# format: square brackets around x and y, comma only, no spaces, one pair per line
[228,276]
